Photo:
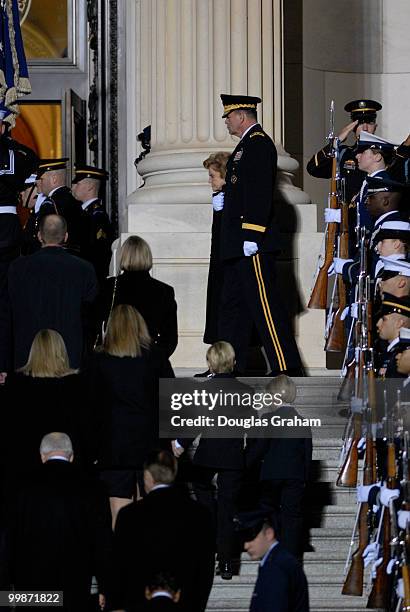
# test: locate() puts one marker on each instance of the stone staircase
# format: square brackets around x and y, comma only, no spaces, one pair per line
[332,514]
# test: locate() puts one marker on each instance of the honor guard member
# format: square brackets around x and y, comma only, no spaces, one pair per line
[51,180]
[250,240]
[394,314]
[17,162]
[97,229]
[31,199]
[281,585]
[363,114]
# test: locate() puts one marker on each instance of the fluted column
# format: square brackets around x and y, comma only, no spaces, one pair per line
[190,51]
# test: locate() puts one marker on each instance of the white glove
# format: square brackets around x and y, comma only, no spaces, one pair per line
[375,566]
[218,201]
[370,553]
[363,492]
[403,517]
[387,494]
[333,215]
[400,588]
[390,566]
[354,310]
[249,248]
[345,312]
[338,263]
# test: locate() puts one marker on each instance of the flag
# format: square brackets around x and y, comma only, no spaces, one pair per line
[14,81]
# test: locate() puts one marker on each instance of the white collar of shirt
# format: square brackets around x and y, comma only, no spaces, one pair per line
[160,486]
[161,594]
[59,457]
[407,381]
[266,555]
[87,203]
[249,128]
[54,190]
[393,344]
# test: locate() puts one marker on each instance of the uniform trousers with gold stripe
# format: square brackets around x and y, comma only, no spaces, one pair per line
[250,298]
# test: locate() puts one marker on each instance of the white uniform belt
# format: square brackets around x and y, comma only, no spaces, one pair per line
[8,209]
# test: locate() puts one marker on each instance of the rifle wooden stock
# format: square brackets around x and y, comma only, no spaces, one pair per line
[353,584]
[318,297]
[348,473]
[336,341]
[380,594]
[405,574]
[347,386]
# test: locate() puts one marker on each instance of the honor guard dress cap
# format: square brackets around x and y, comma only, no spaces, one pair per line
[392,229]
[83,172]
[231,103]
[370,141]
[376,184]
[394,267]
[48,165]
[392,304]
[404,338]
[363,111]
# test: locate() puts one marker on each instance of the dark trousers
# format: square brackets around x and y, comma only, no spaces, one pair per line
[223,507]
[286,497]
[250,297]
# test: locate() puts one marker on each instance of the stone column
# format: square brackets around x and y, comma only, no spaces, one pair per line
[190,51]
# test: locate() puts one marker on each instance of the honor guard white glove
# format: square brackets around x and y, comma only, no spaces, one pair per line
[375,566]
[218,201]
[370,553]
[403,517]
[363,492]
[249,248]
[338,263]
[333,215]
[387,494]
[400,588]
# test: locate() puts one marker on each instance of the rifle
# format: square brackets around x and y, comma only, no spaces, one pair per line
[380,593]
[336,330]
[318,297]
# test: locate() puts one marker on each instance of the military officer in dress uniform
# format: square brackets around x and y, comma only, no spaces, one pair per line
[31,199]
[394,315]
[51,180]
[97,229]
[250,240]
[281,585]
[17,162]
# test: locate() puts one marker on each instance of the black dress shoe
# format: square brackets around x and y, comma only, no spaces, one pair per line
[203,374]
[225,570]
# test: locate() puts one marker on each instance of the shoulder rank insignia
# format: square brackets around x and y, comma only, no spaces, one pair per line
[101,234]
[258,134]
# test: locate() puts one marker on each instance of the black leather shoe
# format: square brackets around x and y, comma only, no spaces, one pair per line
[225,570]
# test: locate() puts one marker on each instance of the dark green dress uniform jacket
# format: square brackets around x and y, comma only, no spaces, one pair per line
[248,205]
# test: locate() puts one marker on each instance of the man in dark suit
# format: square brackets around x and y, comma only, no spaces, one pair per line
[59,529]
[162,593]
[97,232]
[250,240]
[164,532]
[285,467]
[51,181]
[51,289]
[281,585]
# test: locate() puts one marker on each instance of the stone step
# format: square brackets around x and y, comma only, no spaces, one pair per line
[353,604]
[312,566]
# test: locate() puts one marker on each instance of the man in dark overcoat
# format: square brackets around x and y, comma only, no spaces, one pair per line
[51,289]
[58,533]
[166,531]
